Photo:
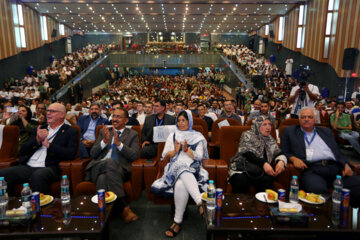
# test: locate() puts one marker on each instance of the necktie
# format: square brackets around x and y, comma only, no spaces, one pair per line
[114,154]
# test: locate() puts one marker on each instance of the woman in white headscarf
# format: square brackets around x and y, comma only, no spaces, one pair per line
[184,174]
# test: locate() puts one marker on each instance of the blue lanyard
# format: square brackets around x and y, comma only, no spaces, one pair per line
[159,123]
[312,139]
[53,135]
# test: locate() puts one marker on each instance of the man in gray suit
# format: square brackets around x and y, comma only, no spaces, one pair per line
[113,153]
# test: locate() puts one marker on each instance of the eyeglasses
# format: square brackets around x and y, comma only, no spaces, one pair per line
[52,111]
[118,116]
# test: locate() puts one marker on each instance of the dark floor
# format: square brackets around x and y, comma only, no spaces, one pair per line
[154,220]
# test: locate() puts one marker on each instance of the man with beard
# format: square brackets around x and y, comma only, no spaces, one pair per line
[149,148]
[88,124]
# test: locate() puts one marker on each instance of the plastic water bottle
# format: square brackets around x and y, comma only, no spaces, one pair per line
[66,210]
[211,201]
[3,197]
[3,189]
[65,190]
[336,200]
[26,198]
[294,190]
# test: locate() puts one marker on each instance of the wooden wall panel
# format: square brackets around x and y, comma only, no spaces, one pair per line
[290,34]
[347,32]
[32,29]
[7,43]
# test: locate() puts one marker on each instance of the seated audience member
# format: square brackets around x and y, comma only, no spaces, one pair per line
[211,115]
[264,111]
[178,109]
[348,107]
[88,124]
[208,120]
[252,163]
[183,175]
[25,124]
[40,113]
[315,151]
[41,154]
[113,152]
[342,122]
[229,111]
[140,114]
[149,108]
[159,118]
[215,107]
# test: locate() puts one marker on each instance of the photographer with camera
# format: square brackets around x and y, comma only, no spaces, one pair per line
[304,94]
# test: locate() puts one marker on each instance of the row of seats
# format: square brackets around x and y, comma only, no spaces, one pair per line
[146,171]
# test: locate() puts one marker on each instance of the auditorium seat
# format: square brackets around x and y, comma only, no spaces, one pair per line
[229,141]
[10,143]
[215,133]
[199,121]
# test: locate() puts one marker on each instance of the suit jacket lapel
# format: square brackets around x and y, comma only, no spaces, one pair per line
[300,137]
[59,133]
[86,123]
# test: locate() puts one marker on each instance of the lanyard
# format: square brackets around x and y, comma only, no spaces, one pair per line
[159,123]
[312,139]
[49,139]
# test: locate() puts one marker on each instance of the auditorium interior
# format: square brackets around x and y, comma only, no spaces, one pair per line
[258,46]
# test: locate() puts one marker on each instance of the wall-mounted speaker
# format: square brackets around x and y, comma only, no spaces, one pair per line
[53,33]
[271,33]
[349,59]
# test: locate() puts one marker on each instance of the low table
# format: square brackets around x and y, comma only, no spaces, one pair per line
[86,221]
[244,216]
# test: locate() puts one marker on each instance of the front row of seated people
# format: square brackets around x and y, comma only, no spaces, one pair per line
[309,148]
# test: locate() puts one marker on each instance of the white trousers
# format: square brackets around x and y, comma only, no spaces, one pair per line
[185,185]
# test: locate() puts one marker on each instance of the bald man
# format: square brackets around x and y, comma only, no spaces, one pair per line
[40,155]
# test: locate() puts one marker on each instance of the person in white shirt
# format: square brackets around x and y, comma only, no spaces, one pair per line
[41,154]
[303,96]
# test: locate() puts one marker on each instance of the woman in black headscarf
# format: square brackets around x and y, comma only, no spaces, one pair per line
[252,163]
[25,124]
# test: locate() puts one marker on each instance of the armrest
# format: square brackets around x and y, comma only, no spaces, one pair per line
[8,162]
[150,173]
[221,173]
[78,170]
[137,177]
[355,166]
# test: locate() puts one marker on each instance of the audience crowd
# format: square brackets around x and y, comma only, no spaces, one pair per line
[152,100]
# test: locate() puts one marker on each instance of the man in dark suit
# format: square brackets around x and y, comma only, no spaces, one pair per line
[113,153]
[79,91]
[208,120]
[149,148]
[315,151]
[88,125]
[41,154]
[71,94]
